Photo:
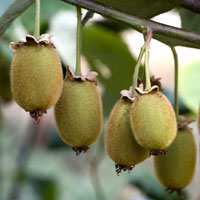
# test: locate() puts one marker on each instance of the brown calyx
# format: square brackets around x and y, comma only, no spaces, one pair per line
[183,122]
[79,150]
[91,76]
[158,152]
[178,191]
[37,114]
[119,168]
[32,41]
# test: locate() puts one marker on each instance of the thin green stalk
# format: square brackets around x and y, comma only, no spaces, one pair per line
[78,42]
[37,20]
[136,71]
[147,74]
[176,107]
[138,63]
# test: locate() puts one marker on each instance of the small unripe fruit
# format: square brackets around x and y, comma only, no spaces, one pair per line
[175,170]
[78,113]
[153,121]
[119,141]
[36,76]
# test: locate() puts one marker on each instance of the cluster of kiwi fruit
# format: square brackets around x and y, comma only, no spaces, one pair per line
[137,127]
[37,84]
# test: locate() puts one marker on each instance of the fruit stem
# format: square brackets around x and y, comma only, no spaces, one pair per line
[78,42]
[176,106]
[147,74]
[37,20]
[138,63]
[136,71]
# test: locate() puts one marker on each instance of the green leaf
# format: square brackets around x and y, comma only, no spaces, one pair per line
[142,8]
[109,55]
[189,20]
[190,87]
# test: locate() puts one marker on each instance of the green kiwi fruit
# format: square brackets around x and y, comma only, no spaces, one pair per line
[153,122]
[36,77]
[175,170]
[119,141]
[78,113]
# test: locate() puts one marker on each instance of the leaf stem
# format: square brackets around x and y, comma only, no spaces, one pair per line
[78,42]
[37,20]
[147,74]
[176,106]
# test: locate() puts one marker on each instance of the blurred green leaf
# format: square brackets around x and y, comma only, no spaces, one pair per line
[109,55]
[142,8]
[46,188]
[190,87]
[189,20]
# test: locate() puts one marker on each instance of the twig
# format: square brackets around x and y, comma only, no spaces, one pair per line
[18,7]
[193,5]
[87,17]
[164,33]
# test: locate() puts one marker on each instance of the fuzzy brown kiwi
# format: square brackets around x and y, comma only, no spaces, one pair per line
[153,122]
[175,170]
[36,76]
[119,141]
[78,113]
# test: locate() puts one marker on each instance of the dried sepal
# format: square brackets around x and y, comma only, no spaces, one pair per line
[183,122]
[141,91]
[30,40]
[126,94]
[91,76]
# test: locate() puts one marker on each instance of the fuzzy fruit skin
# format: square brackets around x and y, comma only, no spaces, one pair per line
[153,121]
[119,141]
[78,113]
[175,170]
[36,77]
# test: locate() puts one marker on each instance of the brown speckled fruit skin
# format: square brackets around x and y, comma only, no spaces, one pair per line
[78,113]
[36,77]
[153,121]
[119,141]
[175,170]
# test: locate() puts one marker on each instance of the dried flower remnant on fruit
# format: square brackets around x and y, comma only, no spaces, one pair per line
[120,168]
[79,150]
[36,75]
[78,112]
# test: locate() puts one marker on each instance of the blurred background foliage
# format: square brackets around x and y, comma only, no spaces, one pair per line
[34,163]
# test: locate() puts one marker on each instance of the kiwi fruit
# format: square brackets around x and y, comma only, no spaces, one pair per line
[153,122]
[36,76]
[175,170]
[119,140]
[78,113]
